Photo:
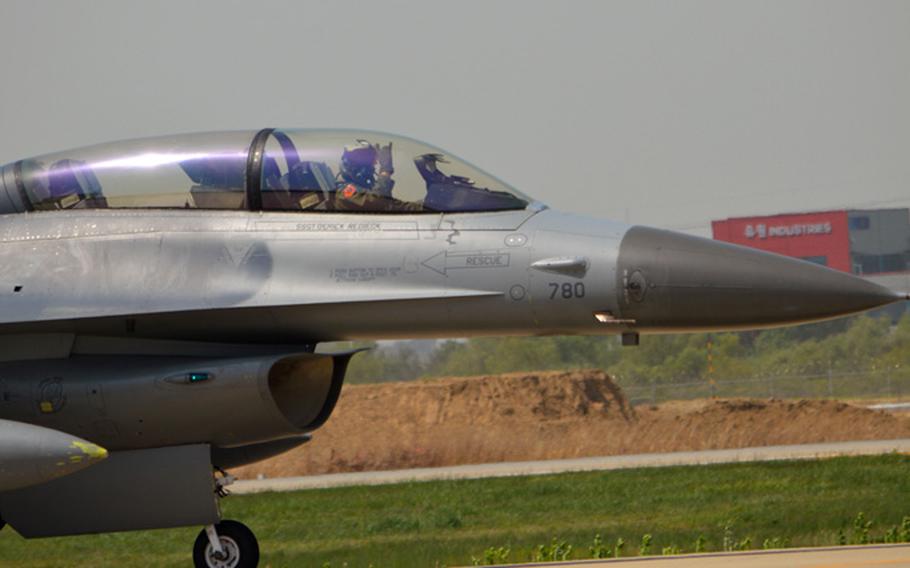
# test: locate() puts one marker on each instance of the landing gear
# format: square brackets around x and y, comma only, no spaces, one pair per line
[228,544]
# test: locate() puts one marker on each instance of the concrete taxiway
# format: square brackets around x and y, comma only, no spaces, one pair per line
[891,555]
[508,469]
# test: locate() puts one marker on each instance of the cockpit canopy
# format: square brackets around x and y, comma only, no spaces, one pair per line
[272,170]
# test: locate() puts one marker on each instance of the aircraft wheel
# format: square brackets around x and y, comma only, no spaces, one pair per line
[240,548]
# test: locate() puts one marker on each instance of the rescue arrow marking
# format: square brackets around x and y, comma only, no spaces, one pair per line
[444,261]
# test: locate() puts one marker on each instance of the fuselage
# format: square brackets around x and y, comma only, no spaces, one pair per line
[297,277]
[272,277]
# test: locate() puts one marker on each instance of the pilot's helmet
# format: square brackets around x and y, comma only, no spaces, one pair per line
[358,164]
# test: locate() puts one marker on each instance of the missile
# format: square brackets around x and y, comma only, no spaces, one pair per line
[30,455]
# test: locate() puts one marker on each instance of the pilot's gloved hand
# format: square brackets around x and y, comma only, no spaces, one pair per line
[384,157]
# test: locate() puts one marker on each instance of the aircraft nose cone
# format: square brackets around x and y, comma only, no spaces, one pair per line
[673,281]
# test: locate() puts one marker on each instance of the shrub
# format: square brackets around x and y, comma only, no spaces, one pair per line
[645,548]
[861,528]
[556,550]
[776,542]
[492,556]
[599,549]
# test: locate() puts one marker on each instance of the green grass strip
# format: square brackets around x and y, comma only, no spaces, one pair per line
[446,523]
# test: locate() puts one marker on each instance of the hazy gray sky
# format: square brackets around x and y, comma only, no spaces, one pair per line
[663,113]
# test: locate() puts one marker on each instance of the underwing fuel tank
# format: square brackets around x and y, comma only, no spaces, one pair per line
[30,455]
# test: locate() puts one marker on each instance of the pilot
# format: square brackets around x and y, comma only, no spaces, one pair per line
[360,187]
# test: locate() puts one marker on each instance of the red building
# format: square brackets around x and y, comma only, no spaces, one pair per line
[823,237]
[861,241]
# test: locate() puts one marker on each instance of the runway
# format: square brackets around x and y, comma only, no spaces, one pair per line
[508,469]
[889,555]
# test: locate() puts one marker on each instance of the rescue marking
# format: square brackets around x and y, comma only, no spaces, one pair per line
[444,261]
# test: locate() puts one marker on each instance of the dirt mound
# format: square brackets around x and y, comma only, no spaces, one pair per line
[530,416]
[489,400]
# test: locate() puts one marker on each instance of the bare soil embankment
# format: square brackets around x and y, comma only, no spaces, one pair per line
[551,415]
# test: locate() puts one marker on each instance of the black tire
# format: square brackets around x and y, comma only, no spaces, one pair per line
[239,543]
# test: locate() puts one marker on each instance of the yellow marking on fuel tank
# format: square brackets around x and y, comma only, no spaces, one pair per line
[46,407]
[75,459]
[93,451]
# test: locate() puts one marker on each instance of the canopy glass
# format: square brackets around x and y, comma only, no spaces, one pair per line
[272,170]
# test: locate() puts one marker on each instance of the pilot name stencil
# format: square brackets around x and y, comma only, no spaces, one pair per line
[444,261]
[364,274]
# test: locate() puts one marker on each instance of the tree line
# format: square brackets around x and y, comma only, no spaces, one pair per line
[857,344]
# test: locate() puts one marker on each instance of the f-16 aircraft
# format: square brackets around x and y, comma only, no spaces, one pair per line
[161,300]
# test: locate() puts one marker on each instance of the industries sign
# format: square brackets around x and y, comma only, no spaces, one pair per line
[763,231]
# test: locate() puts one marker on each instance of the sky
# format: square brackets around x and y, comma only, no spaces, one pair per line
[661,113]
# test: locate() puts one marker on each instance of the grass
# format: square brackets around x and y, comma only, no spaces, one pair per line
[445,523]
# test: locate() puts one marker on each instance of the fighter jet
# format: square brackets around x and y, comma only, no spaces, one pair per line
[161,300]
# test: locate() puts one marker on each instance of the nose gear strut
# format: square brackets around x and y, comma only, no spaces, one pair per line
[228,544]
